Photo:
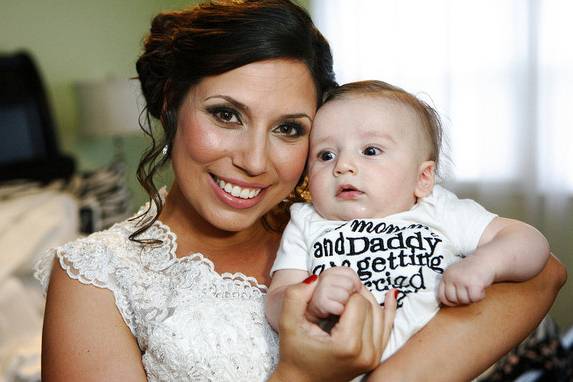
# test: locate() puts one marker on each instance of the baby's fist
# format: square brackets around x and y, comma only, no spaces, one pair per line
[465,282]
[334,288]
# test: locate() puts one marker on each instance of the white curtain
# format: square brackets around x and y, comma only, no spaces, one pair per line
[500,72]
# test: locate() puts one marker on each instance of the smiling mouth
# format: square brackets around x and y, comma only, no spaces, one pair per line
[235,190]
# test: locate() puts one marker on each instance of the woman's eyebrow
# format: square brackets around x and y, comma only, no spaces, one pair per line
[297,115]
[245,109]
[239,105]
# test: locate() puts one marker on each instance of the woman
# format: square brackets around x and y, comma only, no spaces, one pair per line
[178,293]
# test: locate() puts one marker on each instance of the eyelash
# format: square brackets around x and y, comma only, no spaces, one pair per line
[298,129]
[321,154]
[217,111]
[378,150]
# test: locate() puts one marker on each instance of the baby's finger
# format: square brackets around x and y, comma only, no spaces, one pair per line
[330,307]
[347,276]
[451,296]
[442,294]
[339,294]
[476,294]
[462,294]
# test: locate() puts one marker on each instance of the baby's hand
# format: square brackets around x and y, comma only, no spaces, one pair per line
[465,281]
[334,288]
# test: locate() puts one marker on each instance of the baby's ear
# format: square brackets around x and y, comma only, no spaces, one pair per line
[426,179]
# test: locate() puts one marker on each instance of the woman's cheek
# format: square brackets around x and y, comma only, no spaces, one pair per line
[204,145]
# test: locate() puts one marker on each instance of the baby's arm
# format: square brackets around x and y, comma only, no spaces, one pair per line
[508,250]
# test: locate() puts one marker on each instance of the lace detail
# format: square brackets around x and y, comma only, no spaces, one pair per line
[191,323]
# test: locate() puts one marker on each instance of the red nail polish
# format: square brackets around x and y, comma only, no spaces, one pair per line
[310,279]
[395,291]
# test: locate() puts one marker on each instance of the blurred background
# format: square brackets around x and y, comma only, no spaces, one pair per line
[499,72]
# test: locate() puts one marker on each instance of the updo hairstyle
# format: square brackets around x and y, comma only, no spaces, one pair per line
[209,39]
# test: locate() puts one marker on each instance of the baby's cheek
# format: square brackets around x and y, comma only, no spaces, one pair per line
[320,200]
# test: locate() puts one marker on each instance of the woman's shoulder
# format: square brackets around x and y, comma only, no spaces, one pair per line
[95,258]
[87,258]
[109,260]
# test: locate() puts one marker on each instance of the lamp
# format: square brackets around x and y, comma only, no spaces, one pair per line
[109,107]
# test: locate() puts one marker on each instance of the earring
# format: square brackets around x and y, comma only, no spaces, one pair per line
[165,150]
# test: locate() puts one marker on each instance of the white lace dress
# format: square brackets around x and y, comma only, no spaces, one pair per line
[191,323]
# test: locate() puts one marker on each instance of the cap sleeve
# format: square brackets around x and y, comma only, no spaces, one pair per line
[293,250]
[93,261]
[464,219]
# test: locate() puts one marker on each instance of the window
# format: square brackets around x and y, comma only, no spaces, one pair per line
[499,72]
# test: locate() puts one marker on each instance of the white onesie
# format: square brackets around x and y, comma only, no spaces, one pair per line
[408,251]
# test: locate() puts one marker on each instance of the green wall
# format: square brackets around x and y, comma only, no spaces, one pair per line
[75,40]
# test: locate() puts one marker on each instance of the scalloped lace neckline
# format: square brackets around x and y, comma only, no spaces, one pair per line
[171,237]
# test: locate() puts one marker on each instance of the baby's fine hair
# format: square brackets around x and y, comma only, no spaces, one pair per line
[428,115]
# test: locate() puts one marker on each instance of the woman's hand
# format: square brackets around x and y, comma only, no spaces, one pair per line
[354,345]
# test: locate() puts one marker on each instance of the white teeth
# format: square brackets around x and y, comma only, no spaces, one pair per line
[236,191]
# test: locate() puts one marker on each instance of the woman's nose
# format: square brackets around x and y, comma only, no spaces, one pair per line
[252,155]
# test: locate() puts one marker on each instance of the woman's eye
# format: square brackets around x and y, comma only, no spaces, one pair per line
[225,115]
[291,130]
[371,151]
[326,156]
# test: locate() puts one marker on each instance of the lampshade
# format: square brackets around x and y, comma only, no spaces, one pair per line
[109,107]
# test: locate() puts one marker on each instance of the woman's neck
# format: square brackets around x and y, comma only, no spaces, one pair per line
[250,251]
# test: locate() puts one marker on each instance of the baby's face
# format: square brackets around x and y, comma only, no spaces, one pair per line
[365,157]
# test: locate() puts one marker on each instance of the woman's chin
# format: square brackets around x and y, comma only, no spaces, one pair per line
[235,221]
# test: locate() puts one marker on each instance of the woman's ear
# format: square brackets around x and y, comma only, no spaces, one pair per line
[426,179]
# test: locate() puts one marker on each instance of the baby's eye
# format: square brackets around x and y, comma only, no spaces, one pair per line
[371,151]
[225,115]
[326,156]
[290,129]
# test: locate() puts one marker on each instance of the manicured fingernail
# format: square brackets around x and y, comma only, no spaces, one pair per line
[310,279]
[395,291]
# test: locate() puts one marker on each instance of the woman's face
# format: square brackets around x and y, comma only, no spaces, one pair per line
[242,140]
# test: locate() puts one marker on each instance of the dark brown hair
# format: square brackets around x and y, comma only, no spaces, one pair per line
[428,115]
[209,39]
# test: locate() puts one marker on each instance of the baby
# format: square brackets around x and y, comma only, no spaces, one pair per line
[374,150]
